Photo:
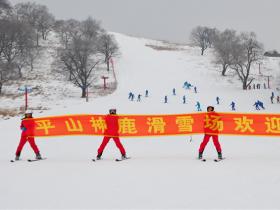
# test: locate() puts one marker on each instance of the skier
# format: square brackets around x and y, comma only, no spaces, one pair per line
[27,127]
[195,89]
[271,99]
[218,100]
[132,97]
[185,85]
[184,99]
[129,95]
[209,133]
[232,106]
[256,105]
[111,132]
[278,99]
[261,104]
[165,99]
[198,106]
[174,92]
[139,98]
[146,93]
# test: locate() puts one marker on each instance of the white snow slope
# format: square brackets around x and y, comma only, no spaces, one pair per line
[163,172]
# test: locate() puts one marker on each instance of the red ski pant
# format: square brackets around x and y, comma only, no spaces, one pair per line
[22,142]
[206,140]
[105,141]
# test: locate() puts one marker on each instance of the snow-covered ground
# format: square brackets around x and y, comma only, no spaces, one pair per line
[163,172]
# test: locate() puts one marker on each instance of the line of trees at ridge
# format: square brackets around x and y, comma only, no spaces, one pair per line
[232,50]
[84,45]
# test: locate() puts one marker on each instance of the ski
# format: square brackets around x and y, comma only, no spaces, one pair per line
[218,160]
[12,161]
[117,159]
[202,159]
[33,160]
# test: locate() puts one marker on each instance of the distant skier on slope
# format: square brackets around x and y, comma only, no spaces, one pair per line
[139,98]
[198,106]
[210,133]
[261,104]
[112,131]
[27,135]
[165,99]
[146,93]
[184,99]
[218,100]
[256,105]
[232,106]
[174,92]
[195,89]
[278,99]
[130,95]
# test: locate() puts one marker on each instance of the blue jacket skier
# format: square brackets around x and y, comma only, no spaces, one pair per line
[198,106]
[165,99]
[146,93]
[139,98]
[195,89]
[261,104]
[256,105]
[218,100]
[174,91]
[184,99]
[232,106]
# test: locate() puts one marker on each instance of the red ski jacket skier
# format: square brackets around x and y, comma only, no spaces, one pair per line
[27,126]
[208,134]
[112,131]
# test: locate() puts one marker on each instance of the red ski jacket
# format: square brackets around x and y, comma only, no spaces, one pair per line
[112,125]
[27,126]
[211,123]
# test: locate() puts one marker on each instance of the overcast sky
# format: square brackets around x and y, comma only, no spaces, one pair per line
[173,19]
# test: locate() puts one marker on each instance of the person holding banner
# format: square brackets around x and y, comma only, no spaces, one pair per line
[112,131]
[27,127]
[208,134]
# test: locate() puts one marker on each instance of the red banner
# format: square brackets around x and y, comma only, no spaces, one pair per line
[159,125]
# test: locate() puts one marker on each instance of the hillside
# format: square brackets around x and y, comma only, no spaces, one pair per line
[163,172]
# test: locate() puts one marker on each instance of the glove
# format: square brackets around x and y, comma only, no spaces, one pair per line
[23,128]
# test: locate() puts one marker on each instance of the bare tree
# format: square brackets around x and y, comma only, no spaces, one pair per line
[37,16]
[67,30]
[45,21]
[5,8]
[203,37]
[224,45]
[80,60]
[108,47]
[91,28]
[249,51]
[81,57]
[16,41]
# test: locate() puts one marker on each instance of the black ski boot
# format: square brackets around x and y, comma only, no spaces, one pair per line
[17,157]
[124,156]
[98,157]
[220,157]
[38,156]
[200,155]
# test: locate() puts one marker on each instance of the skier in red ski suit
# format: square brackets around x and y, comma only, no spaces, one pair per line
[112,131]
[210,133]
[27,127]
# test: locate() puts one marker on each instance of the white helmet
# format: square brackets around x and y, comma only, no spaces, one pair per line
[28,112]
